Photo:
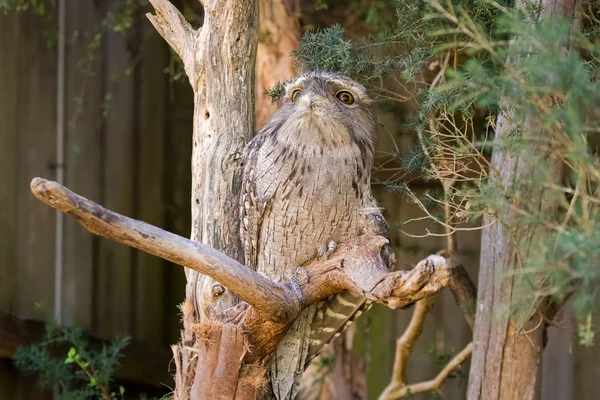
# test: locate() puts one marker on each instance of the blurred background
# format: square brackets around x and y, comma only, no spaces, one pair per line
[124,141]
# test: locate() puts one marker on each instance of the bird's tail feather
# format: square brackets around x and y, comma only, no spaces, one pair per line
[290,356]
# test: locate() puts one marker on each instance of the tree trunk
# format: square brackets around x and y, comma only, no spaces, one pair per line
[507,356]
[226,344]
[219,60]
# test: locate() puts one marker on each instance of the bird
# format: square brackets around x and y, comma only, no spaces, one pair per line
[306,186]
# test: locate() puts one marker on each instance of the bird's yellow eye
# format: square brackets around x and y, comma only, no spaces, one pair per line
[296,94]
[345,97]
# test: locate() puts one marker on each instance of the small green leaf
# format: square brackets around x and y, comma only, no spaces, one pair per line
[72,352]
[121,390]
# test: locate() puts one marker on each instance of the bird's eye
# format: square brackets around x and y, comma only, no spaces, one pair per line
[296,94]
[345,97]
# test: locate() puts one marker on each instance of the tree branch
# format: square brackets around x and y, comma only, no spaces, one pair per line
[404,345]
[175,29]
[465,293]
[269,306]
[400,391]
[274,300]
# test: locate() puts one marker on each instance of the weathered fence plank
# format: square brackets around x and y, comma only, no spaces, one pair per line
[9,158]
[150,307]
[114,286]
[178,183]
[36,113]
[83,147]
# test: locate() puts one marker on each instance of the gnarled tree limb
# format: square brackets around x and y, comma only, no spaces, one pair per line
[274,300]
[270,306]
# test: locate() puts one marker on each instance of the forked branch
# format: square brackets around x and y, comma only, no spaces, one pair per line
[175,29]
[355,265]
[403,390]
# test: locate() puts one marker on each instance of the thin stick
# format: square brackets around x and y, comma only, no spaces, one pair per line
[434,384]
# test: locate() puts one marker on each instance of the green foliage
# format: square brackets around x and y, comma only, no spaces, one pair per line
[548,92]
[40,7]
[551,85]
[415,160]
[328,50]
[276,92]
[85,372]
[401,47]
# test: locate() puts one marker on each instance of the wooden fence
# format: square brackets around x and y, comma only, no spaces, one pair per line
[128,146]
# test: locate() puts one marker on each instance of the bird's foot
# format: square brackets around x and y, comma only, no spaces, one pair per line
[323,253]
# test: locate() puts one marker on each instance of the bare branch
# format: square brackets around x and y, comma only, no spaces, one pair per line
[175,29]
[404,345]
[356,265]
[269,307]
[272,299]
[465,293]
[434,384]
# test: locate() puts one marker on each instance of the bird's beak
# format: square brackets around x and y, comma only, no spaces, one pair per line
[312,100]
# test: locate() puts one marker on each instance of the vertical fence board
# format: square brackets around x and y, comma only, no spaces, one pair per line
[114,266]
[8,376]
[27,104]
[445,331]
[411,251]
[150,324]
[586,371]
[16,386]
[9,172]
[83,99]
[37,152]
[559,364]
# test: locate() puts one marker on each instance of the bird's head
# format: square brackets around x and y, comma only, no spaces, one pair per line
[328,108]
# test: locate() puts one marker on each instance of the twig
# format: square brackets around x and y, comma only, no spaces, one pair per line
[434,384]
[404,345]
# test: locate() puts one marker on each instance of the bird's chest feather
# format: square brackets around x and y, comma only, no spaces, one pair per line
[315,196]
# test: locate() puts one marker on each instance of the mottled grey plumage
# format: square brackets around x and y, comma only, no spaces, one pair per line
[306,183]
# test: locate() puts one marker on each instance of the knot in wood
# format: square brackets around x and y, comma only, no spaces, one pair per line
[218,291]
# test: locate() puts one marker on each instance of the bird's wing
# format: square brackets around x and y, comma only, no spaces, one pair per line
[337,313]
[253,203]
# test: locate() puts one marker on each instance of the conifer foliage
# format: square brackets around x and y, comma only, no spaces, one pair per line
[492,58]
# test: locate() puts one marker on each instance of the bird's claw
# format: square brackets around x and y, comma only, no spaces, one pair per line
[296,282]
[326,252]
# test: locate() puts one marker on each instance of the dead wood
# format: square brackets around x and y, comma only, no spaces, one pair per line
[226,344]
[269,307]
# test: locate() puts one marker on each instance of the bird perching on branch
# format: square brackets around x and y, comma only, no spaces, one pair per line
[306,187]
